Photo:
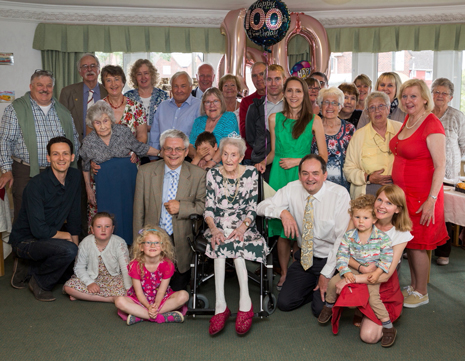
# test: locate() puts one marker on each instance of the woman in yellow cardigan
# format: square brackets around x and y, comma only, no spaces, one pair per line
[368,163]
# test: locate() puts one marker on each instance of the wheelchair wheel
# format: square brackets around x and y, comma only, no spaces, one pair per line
[269,303]
[202,302]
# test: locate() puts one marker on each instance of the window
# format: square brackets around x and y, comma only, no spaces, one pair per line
[408,64]
[341,68]
[166,63]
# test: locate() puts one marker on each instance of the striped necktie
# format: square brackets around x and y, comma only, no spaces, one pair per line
[90,99]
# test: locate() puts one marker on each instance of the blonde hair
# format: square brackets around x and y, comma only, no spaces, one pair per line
[365,202]
[167,248]
[401,221]
[424,93]
[393,76]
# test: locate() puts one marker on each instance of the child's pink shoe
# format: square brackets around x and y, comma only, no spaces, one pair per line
[170,317]
[131,320]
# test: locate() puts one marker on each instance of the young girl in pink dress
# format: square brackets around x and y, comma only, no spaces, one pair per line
[151,298]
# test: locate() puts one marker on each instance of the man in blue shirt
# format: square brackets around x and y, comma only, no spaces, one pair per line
[44,251]
[179,112]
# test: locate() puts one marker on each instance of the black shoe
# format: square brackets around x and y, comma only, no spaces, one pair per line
[39,293]
[21,275]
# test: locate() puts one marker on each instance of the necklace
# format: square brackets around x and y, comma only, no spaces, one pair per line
[383,151]
[415,121]
[226,183]
[108,101]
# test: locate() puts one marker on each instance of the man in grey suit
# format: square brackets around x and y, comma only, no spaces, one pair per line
[80,96]
[167,193]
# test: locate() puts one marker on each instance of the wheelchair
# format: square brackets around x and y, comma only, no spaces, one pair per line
[202,269]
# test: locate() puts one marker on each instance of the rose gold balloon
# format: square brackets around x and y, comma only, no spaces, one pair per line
[312,30]
[233,28]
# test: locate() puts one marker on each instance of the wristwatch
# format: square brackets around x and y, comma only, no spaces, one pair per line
[247,224]
[368,179]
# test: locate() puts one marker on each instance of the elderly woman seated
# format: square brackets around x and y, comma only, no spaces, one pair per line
[230,209]
[368,164]
[111,146]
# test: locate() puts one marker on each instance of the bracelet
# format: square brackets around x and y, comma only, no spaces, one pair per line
[435,198]
[358,269]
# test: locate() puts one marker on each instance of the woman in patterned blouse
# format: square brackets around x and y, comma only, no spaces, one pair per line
[127,112]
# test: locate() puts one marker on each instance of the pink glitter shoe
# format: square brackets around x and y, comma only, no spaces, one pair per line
[244,321]
[218,321]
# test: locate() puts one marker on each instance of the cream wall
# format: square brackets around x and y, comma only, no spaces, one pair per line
[16,37]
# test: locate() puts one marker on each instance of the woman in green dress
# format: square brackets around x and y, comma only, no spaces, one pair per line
[292,132]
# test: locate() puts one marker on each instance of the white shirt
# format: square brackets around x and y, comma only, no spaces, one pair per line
[331,216]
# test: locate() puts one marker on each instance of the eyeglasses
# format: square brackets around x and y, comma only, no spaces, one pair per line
[208,103]
[156,243]
[175,150]
[91,66]
[315,89]
[333,103]
[380,108]
[437,93]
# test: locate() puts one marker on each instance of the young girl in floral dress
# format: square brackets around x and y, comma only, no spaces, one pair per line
[101,267]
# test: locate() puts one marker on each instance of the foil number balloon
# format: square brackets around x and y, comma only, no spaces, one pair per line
[267,22]
[238,55]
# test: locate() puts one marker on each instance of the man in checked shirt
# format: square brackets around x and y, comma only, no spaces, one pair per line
[26,127]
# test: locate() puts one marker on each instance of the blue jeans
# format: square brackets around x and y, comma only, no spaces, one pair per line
[49,259]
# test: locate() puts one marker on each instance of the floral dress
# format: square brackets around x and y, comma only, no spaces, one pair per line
[337,148]
[229,205]
[133,116]
[151,281]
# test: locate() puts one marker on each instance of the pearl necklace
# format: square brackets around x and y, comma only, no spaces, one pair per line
[415,122]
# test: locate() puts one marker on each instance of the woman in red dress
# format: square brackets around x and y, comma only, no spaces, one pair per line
[419,166]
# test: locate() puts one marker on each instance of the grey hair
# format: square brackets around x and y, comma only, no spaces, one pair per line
[216,92]
[324,92]
[239,143]
[78,64]
[174,133]
[373,95]
[178,74]
[207,64]
[40,73]
[443,82]
[96,111]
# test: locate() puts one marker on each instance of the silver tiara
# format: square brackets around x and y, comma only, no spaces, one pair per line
[234,135]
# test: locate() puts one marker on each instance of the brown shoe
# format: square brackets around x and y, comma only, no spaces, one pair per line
[325,315]
[39,293]
[389,337]
[20,276]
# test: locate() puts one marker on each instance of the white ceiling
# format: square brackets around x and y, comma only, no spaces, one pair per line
[293,5]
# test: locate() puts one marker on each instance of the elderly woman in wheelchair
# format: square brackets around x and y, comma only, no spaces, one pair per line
[230,210]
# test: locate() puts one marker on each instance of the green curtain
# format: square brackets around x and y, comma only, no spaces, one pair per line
[397,38]
[112,38]
[63,66]
[128,39]
[298,49]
